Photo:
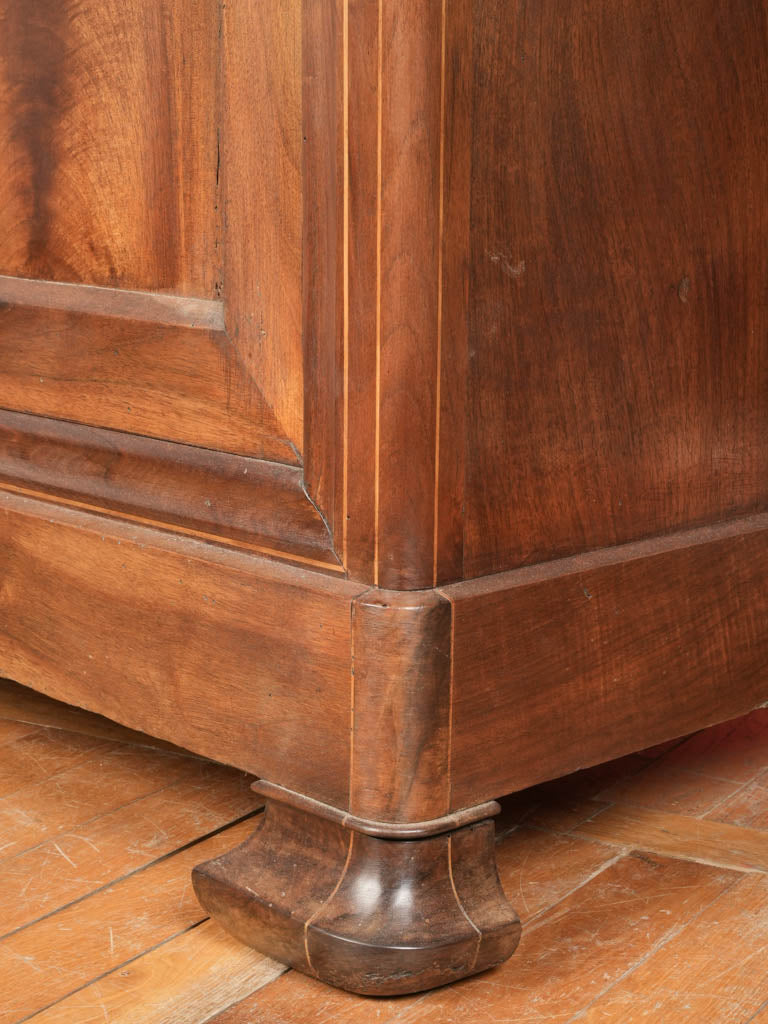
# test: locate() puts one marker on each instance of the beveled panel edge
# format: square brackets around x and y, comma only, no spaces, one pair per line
[128,304]
[380,829]
[218,497]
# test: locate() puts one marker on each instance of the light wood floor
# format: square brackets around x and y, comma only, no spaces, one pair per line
[642,885]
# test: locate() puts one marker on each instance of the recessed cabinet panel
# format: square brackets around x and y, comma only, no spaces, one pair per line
[145,150]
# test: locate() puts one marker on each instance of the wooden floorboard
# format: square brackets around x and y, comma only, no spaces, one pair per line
[183,981]
[642,885]
[113,845]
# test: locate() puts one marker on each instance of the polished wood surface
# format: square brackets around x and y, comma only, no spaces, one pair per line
[587,658]
[590,366]
[375,826]
[323,262]
[251,503]
[382,412]
[374,916]
[154,307]
[138,176]
[259,159]
[110,164]
[401,707]
[143,378]
[390,360]
[617,298]
[389,705]
[385,339]
[251,669]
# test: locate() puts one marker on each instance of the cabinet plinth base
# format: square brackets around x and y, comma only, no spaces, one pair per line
[370,915]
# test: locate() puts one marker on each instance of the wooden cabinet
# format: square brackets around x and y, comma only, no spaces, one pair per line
[384,411]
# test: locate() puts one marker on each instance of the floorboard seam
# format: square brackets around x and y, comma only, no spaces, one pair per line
[117,967]
[672,934]
[129,874]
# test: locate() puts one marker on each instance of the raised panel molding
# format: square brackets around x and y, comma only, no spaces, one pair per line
[241,502]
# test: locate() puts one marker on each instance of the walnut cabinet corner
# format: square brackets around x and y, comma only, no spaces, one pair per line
[384,411]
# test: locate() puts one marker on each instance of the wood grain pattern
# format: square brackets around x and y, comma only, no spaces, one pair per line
[261,166]
[452,370]
[375,827]
[40,755]
[11,731]
[322,255]
[39,965]
[680,970]
[388,115]
[734,750]
[580,947]
[655,639]
[373,916]
[747,808]
[678,984]
[185,221]
[258,504]
[401,707]
[41,880]
[41,810]
[573,953]
[362,200]
[183,981]
[177,383]
[618,286]
[537,870]
[499,272]
[665,788]
[675,835]
[110,164]
[226,639]
[408,277]
[583,399]
[20,704]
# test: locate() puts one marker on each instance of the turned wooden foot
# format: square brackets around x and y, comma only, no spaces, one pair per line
[377,916]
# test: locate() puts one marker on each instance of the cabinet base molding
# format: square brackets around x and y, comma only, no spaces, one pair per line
[371,827]
[371,915]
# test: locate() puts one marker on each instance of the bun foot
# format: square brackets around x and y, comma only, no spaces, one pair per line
[371,915]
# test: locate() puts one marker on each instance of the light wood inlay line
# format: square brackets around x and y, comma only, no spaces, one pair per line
[153,307]
[377,442]
[345,311]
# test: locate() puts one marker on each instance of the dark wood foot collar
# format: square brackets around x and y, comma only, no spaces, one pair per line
[372,827]
[373,916]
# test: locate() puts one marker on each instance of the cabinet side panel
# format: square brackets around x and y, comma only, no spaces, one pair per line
[619,293]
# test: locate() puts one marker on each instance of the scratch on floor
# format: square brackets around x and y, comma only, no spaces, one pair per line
[59,850]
